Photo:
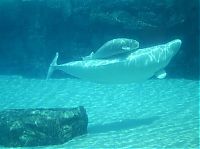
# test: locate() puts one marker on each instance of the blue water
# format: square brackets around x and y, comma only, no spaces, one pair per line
[154,114]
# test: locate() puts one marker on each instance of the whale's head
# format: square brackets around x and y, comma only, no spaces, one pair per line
[175,45]
[134,44]
[127,44]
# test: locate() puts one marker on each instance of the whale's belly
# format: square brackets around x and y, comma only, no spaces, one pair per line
[118,72]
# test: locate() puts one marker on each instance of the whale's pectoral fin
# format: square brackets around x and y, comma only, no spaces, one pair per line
[52,66]
[161,74]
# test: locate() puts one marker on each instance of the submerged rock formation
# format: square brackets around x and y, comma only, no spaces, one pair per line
[39,127]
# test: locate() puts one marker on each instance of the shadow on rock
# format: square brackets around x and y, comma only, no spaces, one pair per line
[122,125]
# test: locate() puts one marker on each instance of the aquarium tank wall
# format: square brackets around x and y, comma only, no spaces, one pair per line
[99,74]
[32,31]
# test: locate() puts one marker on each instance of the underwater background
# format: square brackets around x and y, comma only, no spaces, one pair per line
[154,114]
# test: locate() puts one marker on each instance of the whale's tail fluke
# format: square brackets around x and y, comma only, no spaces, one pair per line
[52,66]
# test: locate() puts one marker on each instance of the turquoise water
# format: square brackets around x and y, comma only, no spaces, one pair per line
[158,113]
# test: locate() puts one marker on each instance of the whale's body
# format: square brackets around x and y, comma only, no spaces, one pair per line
[114,47]
[138,66]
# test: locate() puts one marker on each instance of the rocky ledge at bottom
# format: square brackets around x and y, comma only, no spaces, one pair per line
[41,127]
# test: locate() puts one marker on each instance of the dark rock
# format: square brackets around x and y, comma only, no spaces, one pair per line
[39,127]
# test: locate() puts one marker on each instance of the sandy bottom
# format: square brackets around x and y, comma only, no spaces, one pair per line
[155,114]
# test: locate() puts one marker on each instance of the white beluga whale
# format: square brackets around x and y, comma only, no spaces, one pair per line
[114,47]
[137,66]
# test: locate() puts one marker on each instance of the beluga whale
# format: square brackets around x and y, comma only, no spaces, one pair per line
[138,65]
[114,47]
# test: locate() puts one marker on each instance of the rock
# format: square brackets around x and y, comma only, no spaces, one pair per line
[40,127]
